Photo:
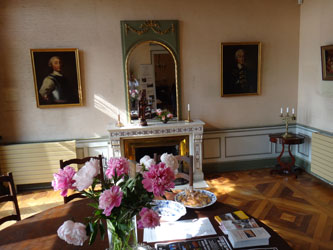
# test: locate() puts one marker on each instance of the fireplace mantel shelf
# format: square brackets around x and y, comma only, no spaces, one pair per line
[158,129]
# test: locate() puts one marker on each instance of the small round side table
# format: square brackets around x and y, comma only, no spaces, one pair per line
[292,139]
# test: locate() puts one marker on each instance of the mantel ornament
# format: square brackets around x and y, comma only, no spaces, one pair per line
[149,24]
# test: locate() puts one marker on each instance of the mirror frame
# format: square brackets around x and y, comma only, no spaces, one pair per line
[162,32]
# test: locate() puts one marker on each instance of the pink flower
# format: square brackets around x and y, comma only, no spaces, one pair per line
[158,179]
[147,161]
[170,115]
[109,199]
[158,111]
[119,165]
[73,233]
[85,176]
[149,218]
[163,117]
[63,180]
[170,161]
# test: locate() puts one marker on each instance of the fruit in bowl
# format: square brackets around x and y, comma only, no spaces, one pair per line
[197,198]
[169,210]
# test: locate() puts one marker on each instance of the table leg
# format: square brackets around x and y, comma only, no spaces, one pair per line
[285,167]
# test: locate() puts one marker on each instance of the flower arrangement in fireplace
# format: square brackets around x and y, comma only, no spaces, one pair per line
[118,201]
[164,115]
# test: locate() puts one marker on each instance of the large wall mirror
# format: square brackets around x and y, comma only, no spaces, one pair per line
[151,66]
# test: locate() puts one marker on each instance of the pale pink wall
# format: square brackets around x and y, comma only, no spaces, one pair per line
[94,28]
[315,96]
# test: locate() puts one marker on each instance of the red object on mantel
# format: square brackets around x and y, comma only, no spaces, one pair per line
[292,139]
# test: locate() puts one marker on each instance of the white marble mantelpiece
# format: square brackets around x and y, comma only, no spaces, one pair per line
[158,129]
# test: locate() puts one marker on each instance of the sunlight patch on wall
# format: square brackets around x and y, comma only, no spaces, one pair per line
[107,108]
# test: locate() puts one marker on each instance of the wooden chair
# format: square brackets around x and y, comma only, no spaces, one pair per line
[188,159]
[63,164]
[10,197]
[182,160]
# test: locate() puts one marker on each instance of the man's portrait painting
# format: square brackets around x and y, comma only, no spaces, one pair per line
[240,68]
[327,62]
[57,77]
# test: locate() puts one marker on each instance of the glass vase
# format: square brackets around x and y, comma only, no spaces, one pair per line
[120,240]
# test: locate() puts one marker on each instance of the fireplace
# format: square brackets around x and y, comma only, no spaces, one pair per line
[183,137]
[135,149]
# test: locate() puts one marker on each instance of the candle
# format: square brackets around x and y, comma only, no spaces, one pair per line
[287,110]
[293,111]
[281,110]
[188,107]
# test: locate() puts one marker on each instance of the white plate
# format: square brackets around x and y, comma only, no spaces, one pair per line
[210,195]
[169,210]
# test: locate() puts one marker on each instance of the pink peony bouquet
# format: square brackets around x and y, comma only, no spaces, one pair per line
[164,115]
[118,201]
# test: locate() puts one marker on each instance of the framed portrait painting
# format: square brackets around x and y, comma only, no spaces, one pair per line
[327,62]
[240,68]
[56,77]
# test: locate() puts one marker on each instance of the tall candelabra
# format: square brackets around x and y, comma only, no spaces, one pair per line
[287,119]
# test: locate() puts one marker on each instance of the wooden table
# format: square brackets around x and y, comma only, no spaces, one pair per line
[40,231]
[293,139]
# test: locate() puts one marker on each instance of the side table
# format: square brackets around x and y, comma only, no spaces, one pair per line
[292,139]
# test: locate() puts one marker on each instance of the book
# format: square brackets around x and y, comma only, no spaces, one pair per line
[227,225]
[235,220]
[212,243]
[236,215]
[249,237]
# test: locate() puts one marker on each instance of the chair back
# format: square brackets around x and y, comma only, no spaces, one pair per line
[63,164]
[11,197]
[188,159]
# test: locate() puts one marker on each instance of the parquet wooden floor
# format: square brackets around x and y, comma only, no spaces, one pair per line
[300,210]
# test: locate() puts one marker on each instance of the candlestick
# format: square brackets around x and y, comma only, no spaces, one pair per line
[119,124]
[286,118]
[281,110]
[293,111]
[188,113]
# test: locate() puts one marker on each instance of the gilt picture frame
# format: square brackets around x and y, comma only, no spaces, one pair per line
[57,80]
[240,68]
[327,62]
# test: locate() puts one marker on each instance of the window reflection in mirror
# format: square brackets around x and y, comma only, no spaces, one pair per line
[151,67]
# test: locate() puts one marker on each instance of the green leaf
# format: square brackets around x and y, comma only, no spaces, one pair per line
[98,212]
[94,230]
[94,205]
[102,230]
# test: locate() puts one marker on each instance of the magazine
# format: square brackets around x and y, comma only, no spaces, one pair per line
[212,243]
[249,237]
[236,215]
[228,225]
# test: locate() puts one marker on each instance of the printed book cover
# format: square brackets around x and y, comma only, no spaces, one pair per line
[249,237]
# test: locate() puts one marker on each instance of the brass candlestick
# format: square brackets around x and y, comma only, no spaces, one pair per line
[119,124]
[188,116]
[286,118]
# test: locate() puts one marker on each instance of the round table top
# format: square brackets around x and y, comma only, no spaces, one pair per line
[40,231]
[291,139]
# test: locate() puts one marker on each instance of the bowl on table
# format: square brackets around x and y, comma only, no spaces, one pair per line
[169,210]
[197,198]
